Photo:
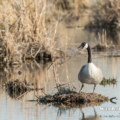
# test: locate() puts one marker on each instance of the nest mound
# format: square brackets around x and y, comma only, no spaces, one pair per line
[16,88]
[74,98]
[69,95]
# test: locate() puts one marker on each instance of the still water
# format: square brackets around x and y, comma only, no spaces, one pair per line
[67,70]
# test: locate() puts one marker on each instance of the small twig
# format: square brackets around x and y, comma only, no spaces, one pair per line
[23,94]
[74,87]
[60,85]
[44,93]
[45,107]
[18,3]
[51,64]
[38,51]
[29,4]
[37,64]
[12,24]
[36,97]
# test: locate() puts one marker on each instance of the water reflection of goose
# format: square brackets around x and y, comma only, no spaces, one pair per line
[89,73]
[95,117]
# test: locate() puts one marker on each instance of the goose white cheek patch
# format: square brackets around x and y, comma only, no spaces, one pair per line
[86,46]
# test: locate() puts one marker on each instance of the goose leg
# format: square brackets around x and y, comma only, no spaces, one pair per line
[94,88]
[81,88]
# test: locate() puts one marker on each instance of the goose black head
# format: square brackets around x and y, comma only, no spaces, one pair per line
[84,45]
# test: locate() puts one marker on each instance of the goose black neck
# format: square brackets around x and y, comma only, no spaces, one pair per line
[89,54]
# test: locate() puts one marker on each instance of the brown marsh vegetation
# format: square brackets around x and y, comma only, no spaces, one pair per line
[28,28]
[24,31]
[105,15]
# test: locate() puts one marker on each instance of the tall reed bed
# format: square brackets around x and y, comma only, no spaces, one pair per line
[72,4]
[106,15]
[103,43]
[24,29]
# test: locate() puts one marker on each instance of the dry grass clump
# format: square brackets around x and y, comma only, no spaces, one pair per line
[25,24]
[68,95]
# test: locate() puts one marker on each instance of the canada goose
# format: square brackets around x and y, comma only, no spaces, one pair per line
[89,73]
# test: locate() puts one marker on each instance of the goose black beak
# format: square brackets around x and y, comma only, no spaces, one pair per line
[80,47]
